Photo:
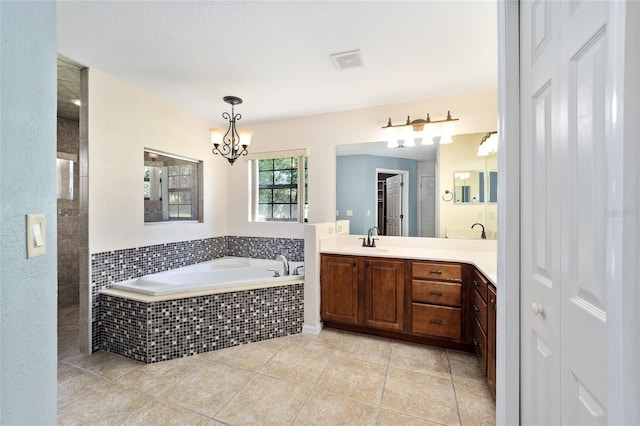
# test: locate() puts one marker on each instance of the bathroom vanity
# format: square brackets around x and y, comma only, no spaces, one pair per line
[443,296]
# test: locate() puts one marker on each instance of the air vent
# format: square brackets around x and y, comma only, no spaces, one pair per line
[350,59]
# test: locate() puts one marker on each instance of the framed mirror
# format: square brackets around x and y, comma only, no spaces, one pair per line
[172,187]
[429,171]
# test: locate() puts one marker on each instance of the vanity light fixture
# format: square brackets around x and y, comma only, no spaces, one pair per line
[234,142]
[426,129]
[488,144]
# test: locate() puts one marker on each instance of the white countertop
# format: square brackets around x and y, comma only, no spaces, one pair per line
[480,253]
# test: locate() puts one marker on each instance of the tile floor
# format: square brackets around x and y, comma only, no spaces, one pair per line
[336,378]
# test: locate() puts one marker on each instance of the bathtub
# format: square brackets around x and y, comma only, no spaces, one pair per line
[225,272]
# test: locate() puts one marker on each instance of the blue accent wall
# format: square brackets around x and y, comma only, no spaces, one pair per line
[356,184]
[28,287]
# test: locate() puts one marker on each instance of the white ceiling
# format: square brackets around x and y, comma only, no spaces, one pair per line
[275,55]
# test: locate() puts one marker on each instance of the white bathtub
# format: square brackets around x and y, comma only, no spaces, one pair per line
[218,273]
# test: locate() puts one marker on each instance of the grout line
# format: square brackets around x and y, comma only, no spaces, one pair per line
[455,393]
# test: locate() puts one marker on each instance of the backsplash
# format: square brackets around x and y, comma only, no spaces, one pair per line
[119,265]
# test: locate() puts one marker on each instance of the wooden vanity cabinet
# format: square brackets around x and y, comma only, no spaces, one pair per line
[384,293]
[339,289]
[361,290]
[491,340]
[480,318]
[436,299]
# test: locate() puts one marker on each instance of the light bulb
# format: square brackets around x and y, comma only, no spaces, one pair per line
[245,136]
[390,137]
[427,135]
[407,136]
[216,135]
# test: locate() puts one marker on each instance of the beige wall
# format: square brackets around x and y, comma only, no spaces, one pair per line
[461,155]
[123,120]
[321,134]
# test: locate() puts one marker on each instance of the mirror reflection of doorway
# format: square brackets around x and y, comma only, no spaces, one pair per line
[391,193]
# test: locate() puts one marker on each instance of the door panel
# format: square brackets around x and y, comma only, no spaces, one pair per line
[394,205]
[564,92]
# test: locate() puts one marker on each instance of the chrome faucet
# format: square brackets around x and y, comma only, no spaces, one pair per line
[484,236]
[285,263]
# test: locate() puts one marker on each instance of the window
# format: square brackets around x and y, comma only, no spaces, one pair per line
[171,187]
[279,188]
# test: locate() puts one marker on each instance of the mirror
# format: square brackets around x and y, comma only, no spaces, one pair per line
[468,186]
[172,187]
[428,171]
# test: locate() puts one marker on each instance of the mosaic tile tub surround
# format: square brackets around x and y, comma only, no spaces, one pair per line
[160,331]
[119,265]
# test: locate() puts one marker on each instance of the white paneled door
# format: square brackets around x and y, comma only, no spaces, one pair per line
[563,99]
[394,205]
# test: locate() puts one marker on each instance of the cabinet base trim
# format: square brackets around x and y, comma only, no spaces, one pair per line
[400,336]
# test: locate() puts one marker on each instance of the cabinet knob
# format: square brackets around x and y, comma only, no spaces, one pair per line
[476,341]
[475,308]
[476,283]
[537,309]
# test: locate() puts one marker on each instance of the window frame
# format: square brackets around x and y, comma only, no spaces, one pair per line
[302,157]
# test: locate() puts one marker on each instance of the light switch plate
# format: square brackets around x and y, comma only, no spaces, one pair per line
[36,235]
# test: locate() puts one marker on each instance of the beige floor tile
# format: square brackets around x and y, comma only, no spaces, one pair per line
[465,367]
[161,413]
[365,348]
[104,363]
[354,379]
[420,395]
[265,401]
[475,403]
[156,378]
[421,358]
[390,418]
[251,356]
[74,383]
[208,388]
[328,338]
[298,364]
[110,404]
[323,408]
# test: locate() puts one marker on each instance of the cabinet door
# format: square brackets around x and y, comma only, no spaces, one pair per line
[384,294]
[491,342]
[339,289]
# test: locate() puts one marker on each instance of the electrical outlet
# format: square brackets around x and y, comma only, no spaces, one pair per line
[368,212]
[349,212]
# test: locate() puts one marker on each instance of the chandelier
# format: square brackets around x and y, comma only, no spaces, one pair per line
[425,129]
[234,142]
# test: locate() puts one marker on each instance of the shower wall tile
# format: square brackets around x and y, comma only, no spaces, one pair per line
[267,248]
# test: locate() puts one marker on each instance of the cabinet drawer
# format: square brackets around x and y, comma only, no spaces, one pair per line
[437,271]
[438,321]
[436,293]
[480,344]
[480,284]
[479,308]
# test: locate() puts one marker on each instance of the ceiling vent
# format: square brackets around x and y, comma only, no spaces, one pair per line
[350,59]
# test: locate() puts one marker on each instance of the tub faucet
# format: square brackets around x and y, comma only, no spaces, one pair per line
[484,236]
[285,263]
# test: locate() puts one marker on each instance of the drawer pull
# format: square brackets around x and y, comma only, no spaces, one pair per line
[435,293]
[436,272]
[476,341]
[476,283]
[436,322]
[476,309]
